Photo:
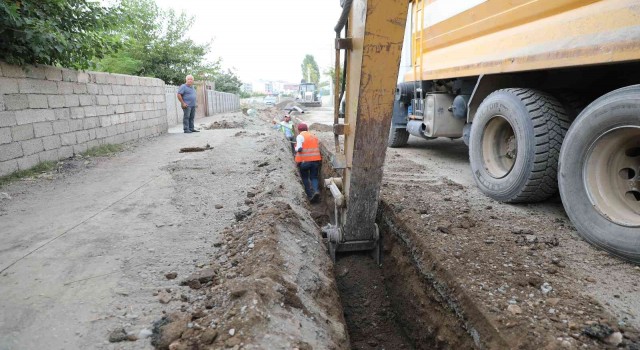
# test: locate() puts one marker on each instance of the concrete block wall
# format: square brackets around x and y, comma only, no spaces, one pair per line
[49,113]
[221,102]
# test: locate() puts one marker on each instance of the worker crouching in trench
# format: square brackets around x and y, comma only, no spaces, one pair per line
[309,160]
[286,127]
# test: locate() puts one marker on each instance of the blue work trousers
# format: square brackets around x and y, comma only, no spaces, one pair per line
[309,173]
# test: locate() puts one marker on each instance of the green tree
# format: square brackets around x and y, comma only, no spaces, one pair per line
[69,33]
[228,82]
[121,63]
[310,71]
[155,44]
[330,73]
[136,30]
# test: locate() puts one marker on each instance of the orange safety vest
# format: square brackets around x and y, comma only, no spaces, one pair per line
[310,148]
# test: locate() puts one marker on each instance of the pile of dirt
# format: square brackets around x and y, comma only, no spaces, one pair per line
[269,283]
[287,104]
[255,294]
[507,274]
[195,250]
[223,124]
[320,127]
[515,276]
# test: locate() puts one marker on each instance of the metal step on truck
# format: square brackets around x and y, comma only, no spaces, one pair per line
[545,93]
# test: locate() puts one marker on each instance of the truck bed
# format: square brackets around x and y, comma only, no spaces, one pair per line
[498,36]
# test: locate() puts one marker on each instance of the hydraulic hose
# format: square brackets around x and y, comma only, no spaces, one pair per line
[346,7]
[336,98]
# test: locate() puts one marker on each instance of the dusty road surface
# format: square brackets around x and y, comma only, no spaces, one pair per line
[153,248]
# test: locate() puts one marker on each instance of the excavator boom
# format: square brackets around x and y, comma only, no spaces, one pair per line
[372,46]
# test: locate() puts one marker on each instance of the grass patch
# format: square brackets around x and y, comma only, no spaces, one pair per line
[103,150]
[20,174]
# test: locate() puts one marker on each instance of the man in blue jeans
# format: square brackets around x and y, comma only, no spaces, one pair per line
[187,97]
[309,161]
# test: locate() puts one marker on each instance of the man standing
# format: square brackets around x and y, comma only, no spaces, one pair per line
[187,97]
[309,160]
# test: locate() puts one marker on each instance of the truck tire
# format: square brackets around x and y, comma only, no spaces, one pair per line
[599,174]
[398,137]
[514,145]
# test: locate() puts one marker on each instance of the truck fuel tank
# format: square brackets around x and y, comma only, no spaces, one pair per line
[439,120]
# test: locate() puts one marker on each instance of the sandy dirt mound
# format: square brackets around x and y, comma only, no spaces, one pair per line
[269,283]
[508,274]
[257,296]
[288,103]
[223,124]
[320,127]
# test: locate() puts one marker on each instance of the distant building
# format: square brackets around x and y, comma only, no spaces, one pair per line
[262,87]
[247,87]
[270,87]
[290,89]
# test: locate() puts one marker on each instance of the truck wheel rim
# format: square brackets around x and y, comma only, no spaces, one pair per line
[499,147]
[612,175]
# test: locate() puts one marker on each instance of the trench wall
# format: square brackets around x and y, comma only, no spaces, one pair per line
[50,113]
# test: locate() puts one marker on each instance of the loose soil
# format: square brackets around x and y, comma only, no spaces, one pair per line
[157,248]
[514,276]
[371,319]
[220,249]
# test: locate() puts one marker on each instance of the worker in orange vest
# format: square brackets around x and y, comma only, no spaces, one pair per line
[309,160]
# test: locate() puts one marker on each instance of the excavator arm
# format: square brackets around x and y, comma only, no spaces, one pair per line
[372,45]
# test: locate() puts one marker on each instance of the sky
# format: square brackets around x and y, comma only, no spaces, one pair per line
[262,39]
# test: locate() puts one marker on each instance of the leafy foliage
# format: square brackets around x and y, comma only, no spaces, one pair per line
[155,44]
[120,63]
[228,82]
[68,33]
[310,71]
[331,74]
[135,37]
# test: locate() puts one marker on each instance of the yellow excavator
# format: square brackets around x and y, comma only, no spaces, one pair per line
[308,95]
[545,93]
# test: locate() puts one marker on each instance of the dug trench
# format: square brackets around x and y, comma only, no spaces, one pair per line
[271,284]
[236,259]
[393,305]
[450,279]
[435,286]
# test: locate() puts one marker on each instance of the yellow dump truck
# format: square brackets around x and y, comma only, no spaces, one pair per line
[546,95]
